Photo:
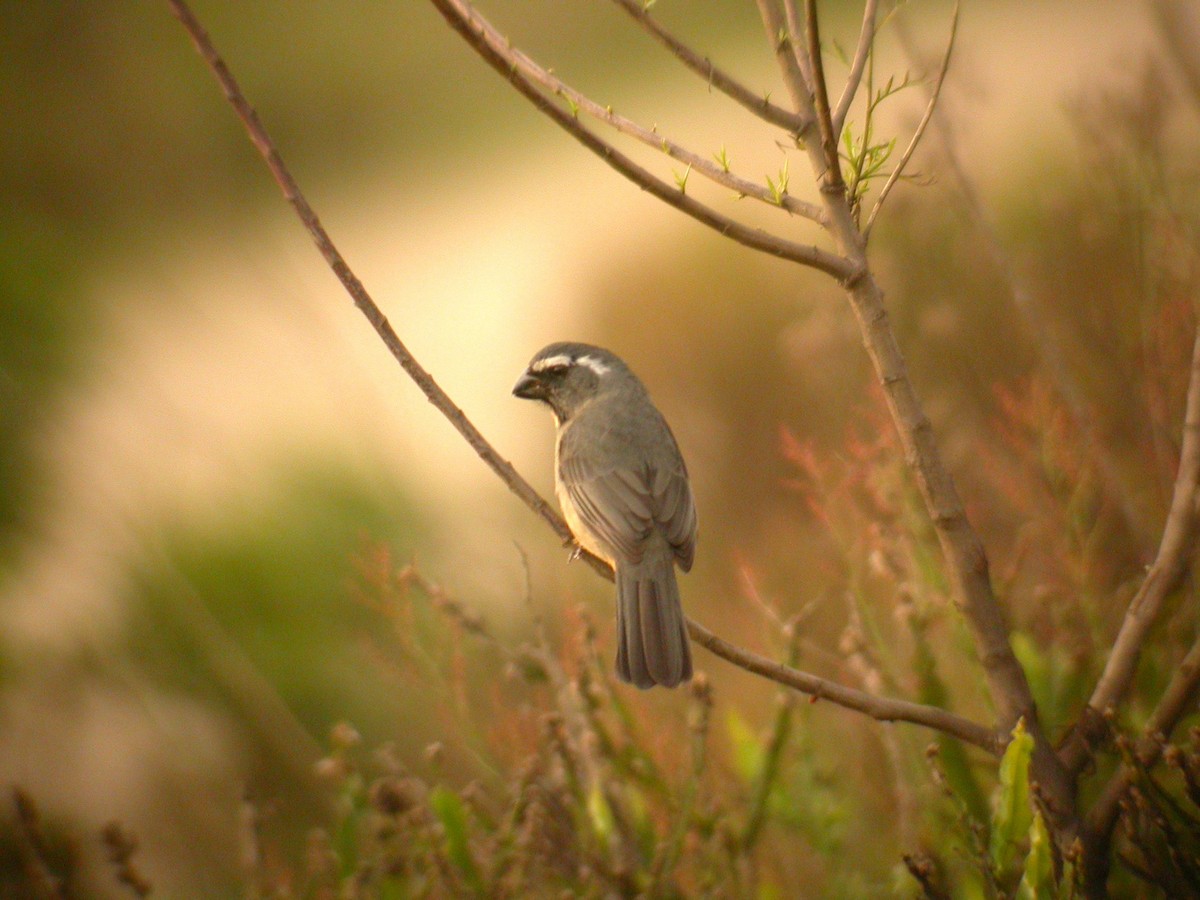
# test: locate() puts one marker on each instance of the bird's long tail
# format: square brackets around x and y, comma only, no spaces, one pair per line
[652,640]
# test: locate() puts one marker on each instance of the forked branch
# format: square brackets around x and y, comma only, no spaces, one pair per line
[706,69]
[497,44]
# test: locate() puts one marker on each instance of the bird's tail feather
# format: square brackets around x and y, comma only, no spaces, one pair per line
[652,641]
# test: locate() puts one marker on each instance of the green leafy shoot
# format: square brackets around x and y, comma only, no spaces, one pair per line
[681,180]
[1013,816]
[722,159]
[779,188]
[866,156]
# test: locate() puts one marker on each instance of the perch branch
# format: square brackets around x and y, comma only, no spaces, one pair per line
[463,18]
[921,126]
[866,42]
[1168,569]
[719,79]
[706,167]
[884,709]
[354,287]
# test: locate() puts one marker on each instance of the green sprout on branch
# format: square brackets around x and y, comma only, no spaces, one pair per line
[779,188]
[681,180]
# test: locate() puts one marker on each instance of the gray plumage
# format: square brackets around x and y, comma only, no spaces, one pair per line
[624,491]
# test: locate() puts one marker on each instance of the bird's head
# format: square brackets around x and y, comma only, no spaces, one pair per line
[565,376]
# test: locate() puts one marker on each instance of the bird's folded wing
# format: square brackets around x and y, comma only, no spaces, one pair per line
[621,506]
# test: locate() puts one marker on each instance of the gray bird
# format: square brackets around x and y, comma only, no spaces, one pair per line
[624,491]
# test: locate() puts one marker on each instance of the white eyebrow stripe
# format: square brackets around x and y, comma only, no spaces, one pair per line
[594,364]
[551,362]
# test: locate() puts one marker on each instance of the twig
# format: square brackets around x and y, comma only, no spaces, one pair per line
[832,179]
[1174,551]
[884,709]
[921,126]
[707,70]
[464,20]
[291,191]
[1176,701]
[537,74]
[866,42]
[795,79]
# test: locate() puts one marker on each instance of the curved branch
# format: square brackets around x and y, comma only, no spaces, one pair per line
[710,170]
[465,21]
[866,40]
[355,288]
[883,709]
[707,70]
[1168,569]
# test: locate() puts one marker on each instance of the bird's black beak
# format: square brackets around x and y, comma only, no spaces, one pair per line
[529,387]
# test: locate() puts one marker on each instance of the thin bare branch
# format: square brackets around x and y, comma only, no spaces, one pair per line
[463,18]
[794,77]
[866,41]
[362,299]
[1168,569]
[703,165]
[832,179]
[921,126]
[795,33]
[884,709]
[706,69]
[1177,701]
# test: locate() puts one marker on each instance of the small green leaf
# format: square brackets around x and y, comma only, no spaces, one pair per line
[1037,883]
[681,180]
[722,159]
[1014,808]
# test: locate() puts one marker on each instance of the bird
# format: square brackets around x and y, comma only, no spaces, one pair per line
[624,491]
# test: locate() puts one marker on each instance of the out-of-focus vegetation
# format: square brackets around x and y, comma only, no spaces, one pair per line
[483,747]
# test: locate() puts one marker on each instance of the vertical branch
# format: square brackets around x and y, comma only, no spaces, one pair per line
[866,43]
[1169,567]
[795,78]
[966,560]
[832,181]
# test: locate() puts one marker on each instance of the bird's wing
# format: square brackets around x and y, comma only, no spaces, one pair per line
[675,510]
[621,506]
[615,504]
